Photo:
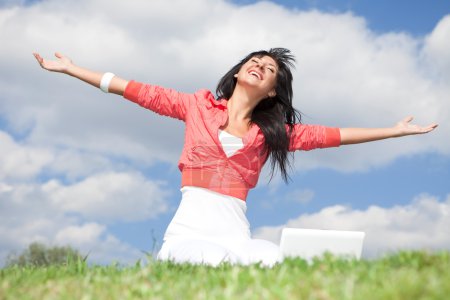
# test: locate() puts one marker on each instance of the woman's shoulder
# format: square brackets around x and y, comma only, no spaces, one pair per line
[207,98]
[204,93]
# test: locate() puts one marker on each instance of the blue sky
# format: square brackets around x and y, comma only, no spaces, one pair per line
[99,173]
[417,17]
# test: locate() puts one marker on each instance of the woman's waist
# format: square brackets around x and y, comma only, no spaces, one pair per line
[216,181]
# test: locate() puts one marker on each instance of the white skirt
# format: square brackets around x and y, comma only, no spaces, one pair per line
[211,228]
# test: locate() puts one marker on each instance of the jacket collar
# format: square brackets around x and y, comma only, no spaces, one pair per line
[220,103]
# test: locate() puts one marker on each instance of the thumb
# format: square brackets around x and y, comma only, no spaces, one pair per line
[408,119]
[58,55]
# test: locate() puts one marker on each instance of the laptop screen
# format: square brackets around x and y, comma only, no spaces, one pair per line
[309,243]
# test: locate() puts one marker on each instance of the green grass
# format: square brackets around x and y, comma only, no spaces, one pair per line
[404,275]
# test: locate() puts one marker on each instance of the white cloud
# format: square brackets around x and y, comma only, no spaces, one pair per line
[110,197]
[24,161]
[436,49]
[20,162]
[422,224]
[73,164]
[79,235]
[92,239]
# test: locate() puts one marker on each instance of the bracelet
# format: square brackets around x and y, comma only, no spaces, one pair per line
[106,80]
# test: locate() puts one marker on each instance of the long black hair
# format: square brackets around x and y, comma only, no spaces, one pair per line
[272,114]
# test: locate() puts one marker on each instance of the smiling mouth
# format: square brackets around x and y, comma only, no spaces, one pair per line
[256,74]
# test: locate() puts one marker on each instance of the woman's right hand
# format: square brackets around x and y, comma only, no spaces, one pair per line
[61,64]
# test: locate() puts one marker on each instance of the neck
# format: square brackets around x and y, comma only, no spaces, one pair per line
[240,105]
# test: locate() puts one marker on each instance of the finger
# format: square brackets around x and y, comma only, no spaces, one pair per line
[58,55]
[432,126]
[408,119]
[39,58]
[429,128]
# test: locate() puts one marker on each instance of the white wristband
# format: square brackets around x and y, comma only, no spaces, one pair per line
[106,80]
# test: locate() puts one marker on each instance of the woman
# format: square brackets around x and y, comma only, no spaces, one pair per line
[227,141]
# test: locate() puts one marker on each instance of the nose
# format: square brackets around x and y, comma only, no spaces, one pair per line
[260,66]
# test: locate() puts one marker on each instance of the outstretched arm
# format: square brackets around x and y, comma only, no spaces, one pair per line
[63,64]
[402,128]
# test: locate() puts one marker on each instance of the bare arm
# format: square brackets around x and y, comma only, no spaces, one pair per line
[402,128]
[63,64]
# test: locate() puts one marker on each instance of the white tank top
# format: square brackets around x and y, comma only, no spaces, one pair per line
[209,215]
[230,143]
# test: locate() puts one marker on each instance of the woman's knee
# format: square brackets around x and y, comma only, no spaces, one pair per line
[196,252]
[261,251]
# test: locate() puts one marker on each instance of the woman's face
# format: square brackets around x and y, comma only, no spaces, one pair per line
[259,73]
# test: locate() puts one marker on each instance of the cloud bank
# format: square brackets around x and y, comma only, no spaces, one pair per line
[423,224]
[75,212]
[346,75]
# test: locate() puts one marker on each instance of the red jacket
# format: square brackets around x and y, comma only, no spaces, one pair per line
[203,162]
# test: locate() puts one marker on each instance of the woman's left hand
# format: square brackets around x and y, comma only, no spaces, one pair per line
[363,135]
[405,127]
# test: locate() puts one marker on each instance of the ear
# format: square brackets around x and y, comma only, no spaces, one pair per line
[272,94]
[236,75]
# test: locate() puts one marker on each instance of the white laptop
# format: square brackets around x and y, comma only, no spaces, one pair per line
[308,243]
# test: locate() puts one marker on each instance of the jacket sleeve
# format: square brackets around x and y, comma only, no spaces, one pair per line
[308,137]
[166,102]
